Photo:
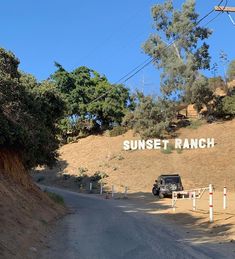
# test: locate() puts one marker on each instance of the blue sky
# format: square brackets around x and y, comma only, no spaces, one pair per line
[103,35]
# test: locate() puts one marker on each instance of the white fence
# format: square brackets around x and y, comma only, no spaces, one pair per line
[195,194]
[113,192]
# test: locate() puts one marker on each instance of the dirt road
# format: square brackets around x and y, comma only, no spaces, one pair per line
[99,228]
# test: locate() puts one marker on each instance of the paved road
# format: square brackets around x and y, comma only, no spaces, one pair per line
[102,229]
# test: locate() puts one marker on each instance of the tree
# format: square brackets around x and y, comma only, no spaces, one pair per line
[151,117]
[180,61]
[231,70]
[228,105]
[29,112]
[216,82]
[201,94]
[93,104]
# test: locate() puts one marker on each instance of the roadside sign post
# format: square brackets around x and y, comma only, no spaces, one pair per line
[91,187]
[211,202]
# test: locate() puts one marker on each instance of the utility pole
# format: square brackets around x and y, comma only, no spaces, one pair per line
[224,9]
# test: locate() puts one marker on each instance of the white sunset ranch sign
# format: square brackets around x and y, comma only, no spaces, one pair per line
[186,143]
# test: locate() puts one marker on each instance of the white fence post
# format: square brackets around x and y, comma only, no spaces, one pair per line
[125,193]
[112,191]
[211,202]
[101,188]
[173,201]
[90,186]
[225,198]
[194,200]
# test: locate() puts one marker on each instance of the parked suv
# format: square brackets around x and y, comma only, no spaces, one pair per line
[166,184]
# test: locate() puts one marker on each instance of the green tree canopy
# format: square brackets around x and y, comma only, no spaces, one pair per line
[28,114]
[151,116]
[93,103]
[229,105]
[181,61]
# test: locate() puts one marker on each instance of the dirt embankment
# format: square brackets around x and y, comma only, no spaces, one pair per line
[25,212]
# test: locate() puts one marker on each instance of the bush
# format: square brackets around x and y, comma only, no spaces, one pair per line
[55,197]
[228,105]
[168,150]
[151,116]
[120,157]
[195,124]
[179,150]
[98,175]
[82,170]
[117,131]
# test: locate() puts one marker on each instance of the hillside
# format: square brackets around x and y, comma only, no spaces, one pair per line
[138,169]
[25,212]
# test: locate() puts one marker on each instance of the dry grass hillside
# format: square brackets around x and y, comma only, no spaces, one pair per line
[138,169]
[25,212]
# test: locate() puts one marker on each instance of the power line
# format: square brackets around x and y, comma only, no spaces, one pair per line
[171,43]
[221,12]
[148,61]
[142,64]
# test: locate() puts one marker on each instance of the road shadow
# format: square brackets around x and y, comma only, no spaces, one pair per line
[78,181]
[195,224]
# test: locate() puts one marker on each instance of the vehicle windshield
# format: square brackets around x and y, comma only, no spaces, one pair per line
[172,180]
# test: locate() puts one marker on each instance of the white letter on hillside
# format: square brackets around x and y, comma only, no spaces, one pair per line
[186,144]
[210,142]
[202,143]
[149,144]
[178,143]
[126,145]
[141,144]
[165,143]
[194,143]
[157,144]
[134,144]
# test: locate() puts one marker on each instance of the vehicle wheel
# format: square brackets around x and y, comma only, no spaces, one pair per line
[161,195]
[155,191]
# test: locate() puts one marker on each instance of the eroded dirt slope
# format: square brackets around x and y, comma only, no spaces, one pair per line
[25,212]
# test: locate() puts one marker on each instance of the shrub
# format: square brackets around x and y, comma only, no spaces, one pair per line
[228,105]
[117,130]
[82,170]
[168,150]
[98,175]
[179,151]
[120,157]
[195,124]
[55,197]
